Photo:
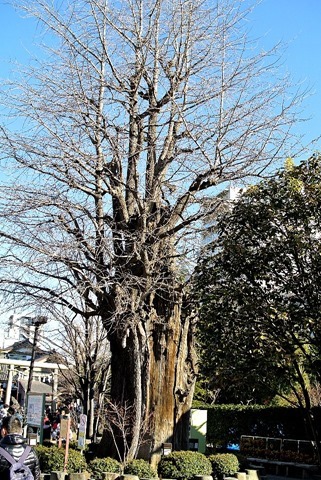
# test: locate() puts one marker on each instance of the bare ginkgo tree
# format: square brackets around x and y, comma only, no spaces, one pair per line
[135,111]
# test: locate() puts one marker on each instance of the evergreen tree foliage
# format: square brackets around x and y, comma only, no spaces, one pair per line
[259,290]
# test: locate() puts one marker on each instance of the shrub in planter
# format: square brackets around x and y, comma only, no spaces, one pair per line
[223,464]
[99,465]
[184,465]
[50,458]
[76,462]
[141,468]
[53,458]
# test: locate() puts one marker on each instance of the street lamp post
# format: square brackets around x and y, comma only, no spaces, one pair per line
[37,322]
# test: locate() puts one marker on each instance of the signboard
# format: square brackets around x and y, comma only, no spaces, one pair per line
[64,426]
[82,423]
[32,439]
[81,440]
[82,431]
[35,409]
[167,448]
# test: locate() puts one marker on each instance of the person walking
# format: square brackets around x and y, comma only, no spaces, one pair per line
[14,443]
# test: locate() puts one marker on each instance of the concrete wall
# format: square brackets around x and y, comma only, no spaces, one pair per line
[198,429]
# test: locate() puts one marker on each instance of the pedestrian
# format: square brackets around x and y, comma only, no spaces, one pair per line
[13,411]
[4,411]
[14,443]
[46,431]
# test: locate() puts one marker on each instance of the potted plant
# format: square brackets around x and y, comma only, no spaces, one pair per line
[223,464]
[184,465]
[104,468]
[52,459]
[141,468]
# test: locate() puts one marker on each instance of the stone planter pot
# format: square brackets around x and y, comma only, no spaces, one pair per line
[57,475]
[203,477]
[44,476]
[77,476]
[128,477]
[253,474]
[240,475]
[110,475]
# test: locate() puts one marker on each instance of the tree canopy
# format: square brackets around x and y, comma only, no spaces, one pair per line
[259,288]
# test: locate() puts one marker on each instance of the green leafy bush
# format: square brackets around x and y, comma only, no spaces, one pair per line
[53,459]
[50,458]
[223,464]
[141,468]
[184,465]
[99,465]
[76,462]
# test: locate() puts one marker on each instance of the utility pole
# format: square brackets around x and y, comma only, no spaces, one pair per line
[37,322]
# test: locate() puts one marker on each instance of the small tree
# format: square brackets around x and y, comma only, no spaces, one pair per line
[117,420]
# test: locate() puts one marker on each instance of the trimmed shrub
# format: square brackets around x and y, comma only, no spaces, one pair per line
[183,465]
[76,462]
[53,459]
[141,468]
[223,464]
[99,465]
[50,458]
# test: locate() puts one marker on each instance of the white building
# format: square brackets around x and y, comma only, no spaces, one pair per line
[220,203]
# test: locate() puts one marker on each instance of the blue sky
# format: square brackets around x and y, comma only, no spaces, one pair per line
[296,22]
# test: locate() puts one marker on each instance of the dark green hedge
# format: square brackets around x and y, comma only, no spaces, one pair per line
[227,423]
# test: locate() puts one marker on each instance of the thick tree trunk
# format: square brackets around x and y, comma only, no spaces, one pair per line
[161,392]
[171,382]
